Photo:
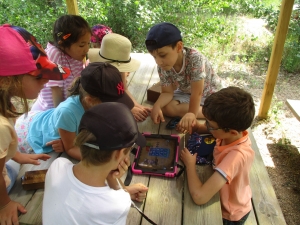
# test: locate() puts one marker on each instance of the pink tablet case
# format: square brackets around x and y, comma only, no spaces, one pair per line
[159,157]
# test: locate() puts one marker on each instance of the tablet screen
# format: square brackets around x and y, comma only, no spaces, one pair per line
[159,154]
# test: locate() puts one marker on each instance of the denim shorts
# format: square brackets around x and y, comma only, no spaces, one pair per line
[12,173]
[240,222]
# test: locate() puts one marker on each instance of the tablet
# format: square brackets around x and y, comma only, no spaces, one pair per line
[159,157]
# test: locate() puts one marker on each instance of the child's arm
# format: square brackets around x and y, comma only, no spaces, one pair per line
[57,95]
[200,193]
[8,208]
[138,192]
[190,118]
[24,158]
[139,112]
[199,128]
[67,139]
[164,98]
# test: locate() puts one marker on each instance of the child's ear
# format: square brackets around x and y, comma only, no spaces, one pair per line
[179,46]
[234,132]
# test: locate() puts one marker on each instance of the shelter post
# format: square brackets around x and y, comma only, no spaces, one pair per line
[276,55]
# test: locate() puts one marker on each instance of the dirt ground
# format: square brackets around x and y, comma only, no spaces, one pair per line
[277,137]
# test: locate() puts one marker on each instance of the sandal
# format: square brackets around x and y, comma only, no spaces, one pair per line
[172,123]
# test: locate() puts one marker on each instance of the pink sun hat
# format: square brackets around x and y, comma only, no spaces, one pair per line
[20,53]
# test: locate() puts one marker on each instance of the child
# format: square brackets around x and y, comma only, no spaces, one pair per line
[98,32]
[55,129]
[229,113]
[115,49]
[24,69]
[71,40]
[187,77]
[80,194]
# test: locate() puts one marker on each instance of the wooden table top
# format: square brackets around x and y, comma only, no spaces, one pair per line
[168,200]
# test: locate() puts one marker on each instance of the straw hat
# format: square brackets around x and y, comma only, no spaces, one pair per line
[115,49]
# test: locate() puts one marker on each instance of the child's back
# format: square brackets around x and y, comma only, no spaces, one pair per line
[89,192]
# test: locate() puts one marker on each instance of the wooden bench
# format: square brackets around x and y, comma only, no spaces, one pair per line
[266,209]
[294,106]
[168,200]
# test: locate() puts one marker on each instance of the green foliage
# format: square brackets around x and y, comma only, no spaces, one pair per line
[34,15]
[206,24]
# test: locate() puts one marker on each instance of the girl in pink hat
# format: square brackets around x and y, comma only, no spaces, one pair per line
[24,69]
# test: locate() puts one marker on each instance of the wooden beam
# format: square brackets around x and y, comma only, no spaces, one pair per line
[273,68]
[72,7]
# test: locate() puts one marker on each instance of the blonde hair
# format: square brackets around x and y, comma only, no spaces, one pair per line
[77,89]
[11,86]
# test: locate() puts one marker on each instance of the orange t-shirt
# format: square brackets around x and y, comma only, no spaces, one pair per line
[234,162]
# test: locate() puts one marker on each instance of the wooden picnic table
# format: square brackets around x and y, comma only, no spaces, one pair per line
[168,200]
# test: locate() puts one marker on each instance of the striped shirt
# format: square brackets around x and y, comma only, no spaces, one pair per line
[44,100]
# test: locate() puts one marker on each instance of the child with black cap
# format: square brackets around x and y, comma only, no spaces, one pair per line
[187,77]
[88,192]
[55,129]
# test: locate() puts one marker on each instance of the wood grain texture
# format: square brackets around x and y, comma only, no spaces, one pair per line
[264,200]
[207,214]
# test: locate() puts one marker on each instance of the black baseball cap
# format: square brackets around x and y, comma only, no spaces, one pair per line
[113,125]
[104,81]
[162,34]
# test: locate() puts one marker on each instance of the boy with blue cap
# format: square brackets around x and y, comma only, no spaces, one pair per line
[186,76]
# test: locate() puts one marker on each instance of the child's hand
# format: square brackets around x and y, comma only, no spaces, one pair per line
[157,115]
[9,214]
[138,192]
[140,112]
[122,168]
[24,158]
[187,158]
[57,145]
[187,123]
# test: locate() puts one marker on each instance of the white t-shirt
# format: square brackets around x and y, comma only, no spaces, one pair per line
[69,201]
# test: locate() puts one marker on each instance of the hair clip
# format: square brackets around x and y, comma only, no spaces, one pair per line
[59,33]
[66,36]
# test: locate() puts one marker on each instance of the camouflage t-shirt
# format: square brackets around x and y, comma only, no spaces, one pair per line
[195,67]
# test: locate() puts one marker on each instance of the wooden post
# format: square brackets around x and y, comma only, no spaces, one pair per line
[273,68]
[72,7]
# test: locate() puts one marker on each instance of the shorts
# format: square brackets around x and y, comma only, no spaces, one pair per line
[240,222]
[12,169]
[22,127]
[182,97]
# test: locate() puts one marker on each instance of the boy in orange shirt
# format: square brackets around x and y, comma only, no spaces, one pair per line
[229,113]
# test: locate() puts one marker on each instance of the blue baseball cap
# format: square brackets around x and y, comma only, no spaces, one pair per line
[161,35]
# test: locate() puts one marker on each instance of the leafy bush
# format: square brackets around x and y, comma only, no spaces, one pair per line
[204,24]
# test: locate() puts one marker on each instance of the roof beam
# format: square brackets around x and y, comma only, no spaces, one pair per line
[72,7]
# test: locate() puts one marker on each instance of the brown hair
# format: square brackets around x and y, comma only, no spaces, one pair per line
[68,29]
[11,86]
[91,156]
[231,107]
